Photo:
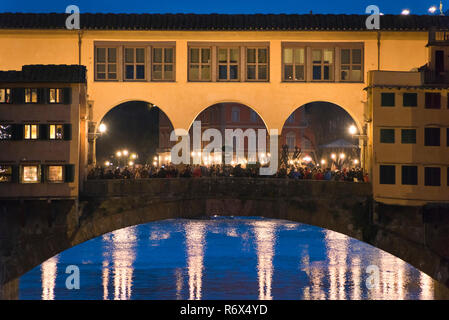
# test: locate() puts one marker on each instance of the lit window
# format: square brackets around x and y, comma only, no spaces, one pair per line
[228,64]
[294,64]
[322,64]
[5,95]
[5,132]
[200,64]
[30,174]
[134,63]
[30,131]
[55,174]
[351,65]
[56,132]
[163,64]
[5,173]
[30,95]
[257,64]
[55,96]
[106,63]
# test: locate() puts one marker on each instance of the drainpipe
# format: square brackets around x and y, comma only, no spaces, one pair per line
[378,50]
[80,36]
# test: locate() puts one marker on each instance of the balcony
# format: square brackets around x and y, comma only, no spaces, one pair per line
[438,38]
[433,77]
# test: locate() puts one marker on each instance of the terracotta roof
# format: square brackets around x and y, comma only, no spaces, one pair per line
[46,73]
[265,22]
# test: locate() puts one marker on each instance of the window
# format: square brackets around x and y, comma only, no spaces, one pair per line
[291,140]
[386,135]
[134,63]
[31,132]
[387,99]
[200,64]
[351,65]
[291,119]
[31,95]
[56,132]
[432,176]
[163,64]
[254,116]
[55,174]
[257,64]
[433,100]
[322,64]
[106,63]
[432,137]
[410,100]
[387,175]
[235,114]
[294,64]
[55,95]
[5,95]
[6,131]
[228,64]
[5,173]
[30,174]
[410,175]
[408,136]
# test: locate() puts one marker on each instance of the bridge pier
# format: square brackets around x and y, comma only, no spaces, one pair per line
[10,290]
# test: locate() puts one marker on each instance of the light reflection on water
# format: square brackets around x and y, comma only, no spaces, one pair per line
[240,258]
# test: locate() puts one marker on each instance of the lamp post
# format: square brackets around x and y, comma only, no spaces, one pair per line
[363,140]
[93,134]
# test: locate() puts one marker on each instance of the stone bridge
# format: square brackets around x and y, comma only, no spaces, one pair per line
[31,231]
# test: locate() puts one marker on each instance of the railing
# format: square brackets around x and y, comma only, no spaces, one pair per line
[438,36]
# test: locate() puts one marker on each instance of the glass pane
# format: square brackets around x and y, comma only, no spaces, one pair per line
[5,173]
[205,72]
[55,173]
[112,68]
[345,56]
[59,132]
[205,55]
[129,72]
[157,72]
[288,72]
[288,55]
[140,55]
[168,72]
[140,72]
[101,55]
[251,55]
[357,56]
[316,72]
[233,72]
[299,72]
[52,97]
[316,56]
[262,56]
[251,72]
[30,174]
[222,55]
[101,75]
[168,57]
[2,95]
[101,67]
[262,72]
[52,131]
[356,75]
[112,55]
[5,132]
[299,56]
[222,72]
[328,56]
[34,131]
[234,55]
[345,73]
[129,55]
[33,95]
[157,55]
[195,55]
[27,133]
[193,73]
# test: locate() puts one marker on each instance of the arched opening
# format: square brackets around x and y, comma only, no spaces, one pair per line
[318,135]
[231,116]
[137,133]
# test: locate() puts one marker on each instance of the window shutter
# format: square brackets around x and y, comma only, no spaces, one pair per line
[43,173]
[69,173]
[18,95]
[42,95]
[43,132]
[15,174]
[67,93]
[17,132]
[67,131]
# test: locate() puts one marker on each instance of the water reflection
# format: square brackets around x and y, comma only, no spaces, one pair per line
[226,259]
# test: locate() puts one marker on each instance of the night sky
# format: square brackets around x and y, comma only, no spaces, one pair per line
[229,6]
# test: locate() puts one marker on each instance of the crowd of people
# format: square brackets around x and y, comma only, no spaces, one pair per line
[301,172]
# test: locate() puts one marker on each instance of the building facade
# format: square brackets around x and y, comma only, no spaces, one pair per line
[43,131]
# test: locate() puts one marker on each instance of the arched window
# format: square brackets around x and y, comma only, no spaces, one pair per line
[254,116]
[235,114]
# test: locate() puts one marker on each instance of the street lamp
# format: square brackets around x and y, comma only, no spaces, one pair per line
[102,128]
[333,156]
[118,154]
[323,162]
[107,163]
[125,152]
[352,130]
[405,12]
[432,9]
[342,156]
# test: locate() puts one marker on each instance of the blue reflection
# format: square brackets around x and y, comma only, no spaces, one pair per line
[226,258]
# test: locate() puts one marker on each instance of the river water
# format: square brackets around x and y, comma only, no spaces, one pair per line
[226,258]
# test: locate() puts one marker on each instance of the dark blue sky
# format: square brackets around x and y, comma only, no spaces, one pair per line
[214,6]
